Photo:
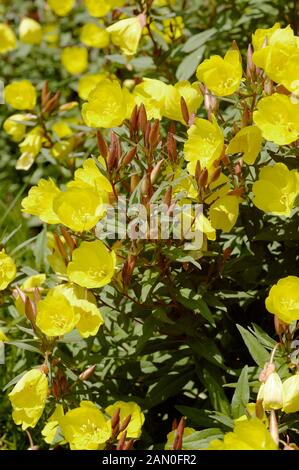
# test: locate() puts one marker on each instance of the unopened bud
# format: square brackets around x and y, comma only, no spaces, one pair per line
[129,445]
[115,418]
[142,119]
[154,135]
[134,121]
[87,373]
[125,423]
[61,248]
[184,109]
[103,147]
[147,133]
[70,241]
[122,441]
[45,93]
[272,394]
[156,171]
[134,182]
[250,68]
[216,174]
[129,156]
[30,310]
[171,147]
[203,178]
[146,185]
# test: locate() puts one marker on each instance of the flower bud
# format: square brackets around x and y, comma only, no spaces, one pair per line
[103,148]
[290,394]
[273,392]
[87,373]
[129,156]
[184,109]
[134,183]
[156,170]
[203,178]
[142,119]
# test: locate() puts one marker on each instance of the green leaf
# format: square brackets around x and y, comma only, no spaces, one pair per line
[189,64]
[257,351]
[147,331]
[23,345]
[241,395]
[198,40]
[40,251]
[166,387]
[212,382]
[189,299]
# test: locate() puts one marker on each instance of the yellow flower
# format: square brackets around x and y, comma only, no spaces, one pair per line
[224,213]
[276,189]
[20,95]
[88,83]
[88,316]
[278,118]
[91,176]
[8,40]
[151,93]
[62,128]
[128,408]
[283,299]
[55,315]
[62,149]
[98,8]
[259,36]
[85,428]
[205,144]
[50,429]
[8,270]
[30,31]
[15,127]
[247,141]
[28,288]
[172,100]
[3,336]
[93,36]
[173,28]
[108,105]
[79,208]
[61,8]
[291,394]
[279,58]
[51,33]
[39,201]
[28,398]
[75,59]
[221,76]
[247,435]
[30,148]
[127,33]
[272,392]
[92,265]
